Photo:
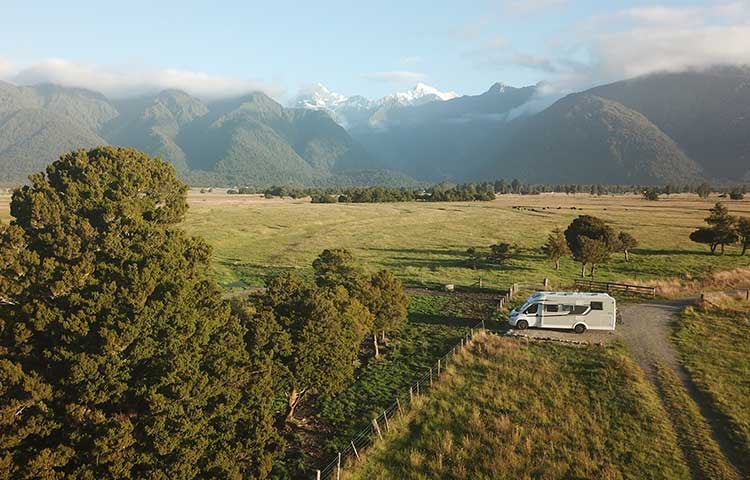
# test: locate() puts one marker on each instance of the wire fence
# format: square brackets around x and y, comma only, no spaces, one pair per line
[403,403]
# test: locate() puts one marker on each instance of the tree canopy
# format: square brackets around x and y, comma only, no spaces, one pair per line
[118,357]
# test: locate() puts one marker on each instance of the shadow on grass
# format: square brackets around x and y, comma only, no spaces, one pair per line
[655,251]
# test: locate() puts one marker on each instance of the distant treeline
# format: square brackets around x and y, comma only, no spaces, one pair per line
[482,191]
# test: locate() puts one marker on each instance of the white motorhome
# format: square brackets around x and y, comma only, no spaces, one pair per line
[579,311]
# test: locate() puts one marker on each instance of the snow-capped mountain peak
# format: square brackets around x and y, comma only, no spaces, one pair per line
[319,97]
[421,93]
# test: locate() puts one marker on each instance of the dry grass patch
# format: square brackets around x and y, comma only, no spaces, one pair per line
[511,409]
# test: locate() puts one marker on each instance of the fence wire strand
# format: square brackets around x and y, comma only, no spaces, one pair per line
[369,435]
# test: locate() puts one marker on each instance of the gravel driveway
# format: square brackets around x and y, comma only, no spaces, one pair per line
[646,332]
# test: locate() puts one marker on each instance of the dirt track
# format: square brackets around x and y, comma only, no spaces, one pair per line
[646,333]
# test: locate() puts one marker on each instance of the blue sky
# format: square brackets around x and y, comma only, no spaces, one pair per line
[368,48]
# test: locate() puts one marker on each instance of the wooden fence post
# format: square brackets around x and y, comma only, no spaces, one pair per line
[430,377]
[317,476]
[438,367]
[387,425]
[411,395]
[400,410]
[356,453]
[377,427]
[417,388]
[546,282]
[338,468]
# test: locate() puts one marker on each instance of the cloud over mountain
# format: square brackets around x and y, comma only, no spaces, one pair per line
[132,80]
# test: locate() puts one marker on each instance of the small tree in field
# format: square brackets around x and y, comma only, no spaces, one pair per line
[706,236]
[721,229]
[626,242]
[651,194]
[743,231]
[387,301]
[556,247]
[703,190]
[500,253]
[593,252]
[586,226]
[722,223]
[475,257]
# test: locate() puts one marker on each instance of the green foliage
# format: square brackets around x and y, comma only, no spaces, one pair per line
[743,232]
[591,240]
[500,253]
[626,242]
[651,194]
[387,301]
[593,252]
[319,331]
[736,194]
[556,247]
[123,360]
[721,229]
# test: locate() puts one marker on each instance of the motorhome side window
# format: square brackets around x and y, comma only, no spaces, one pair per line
[566,308]
[597,305]
[580,309]
[532,308]
[552,308]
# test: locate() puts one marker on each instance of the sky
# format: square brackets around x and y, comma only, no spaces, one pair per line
[221,49]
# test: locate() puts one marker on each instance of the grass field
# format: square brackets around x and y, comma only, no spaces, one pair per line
[694,434]
[715,348]
[424,243]
[515,410]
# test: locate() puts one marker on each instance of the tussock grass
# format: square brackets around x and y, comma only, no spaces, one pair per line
[676,287]
[510,409]
[714,344]
[704,455]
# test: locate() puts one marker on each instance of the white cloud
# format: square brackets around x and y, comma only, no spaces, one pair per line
[396,77]
[127,81]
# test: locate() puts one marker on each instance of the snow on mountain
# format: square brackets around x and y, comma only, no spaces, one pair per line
[318,97]
[350,111]
[418,95]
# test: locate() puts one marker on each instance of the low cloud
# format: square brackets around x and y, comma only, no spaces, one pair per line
[129,81]
[399,77]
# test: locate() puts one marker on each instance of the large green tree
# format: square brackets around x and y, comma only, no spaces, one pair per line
[118,358]
[318,334]
[587,226]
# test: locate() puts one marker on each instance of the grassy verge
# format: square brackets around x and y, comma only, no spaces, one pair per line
[436,323]
[715,348]
[694,434]
[515,410]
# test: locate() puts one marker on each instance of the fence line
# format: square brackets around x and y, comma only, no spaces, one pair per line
[400,406]
[592,285]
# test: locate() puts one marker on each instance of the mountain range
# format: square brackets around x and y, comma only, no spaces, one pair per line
[663,128]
